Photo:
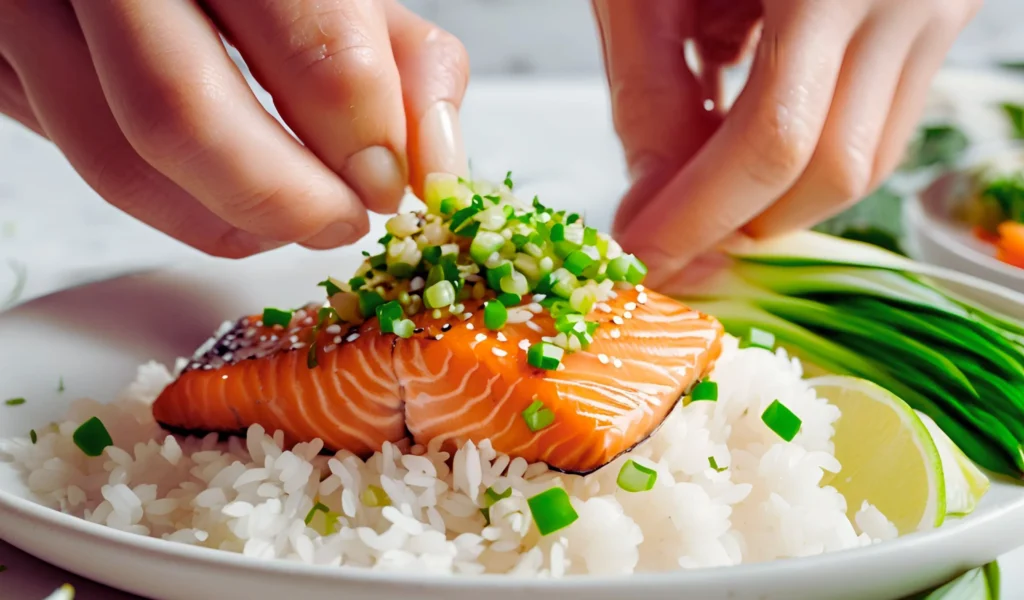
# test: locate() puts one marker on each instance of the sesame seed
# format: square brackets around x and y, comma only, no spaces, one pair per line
[446,327]
[274,338]
[470,327]
[618,320]
[561,367]
[418,330]
[627,314]
[534,307]
[333,329]
[501,337]
[615,334]
[539,297]
[263,338]
[352,338]
[480,337]
[227,357]
[223,376]
[337,339]
[259,323]
[330,348]
[603,358]
[416,284]
[640,287]
[299,345]
[207,367]
[439,336]
[308,321]
[603,307]
[498,352]
[534,326]
[467,316]
[293,339]
[616,363]
[250,332]
[641,298]
[524,344]
[630,306]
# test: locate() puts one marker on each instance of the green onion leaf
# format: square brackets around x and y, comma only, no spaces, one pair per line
[356,283]
[508,180]
[484,245]
[92,437]
[552,510]
[538,416]
[705,390]
[432,254]
[543,355]
[404,328]
[379,261]
[330,287]
[758,338]
[368,303]
[276,316]
[14,401]
[714,464]
[495,315]
[439,295]
[589,236]
[318,507]
[400,270]
[634,477]
[578,262]
[781,420]
[627,268]
[572,219]
[375,496]
[557,232]
[387,314]
[509,299]
[33,436]
[449,205]
[492,497]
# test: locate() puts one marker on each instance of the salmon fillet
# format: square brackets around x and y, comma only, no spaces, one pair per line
[453,381]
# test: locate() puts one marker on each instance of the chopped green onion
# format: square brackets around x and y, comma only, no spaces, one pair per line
[634,477]
[589,236]
[514,283]
[538,416]
[582,299]
[368,303]
[461,217]
[509,299]
[705,390]
[330,287]
[484,245]
[14,401]
[758,338]
[375,496]
[92,437]
[572,218]
[276,316]
[60,385]
[627,268]
[564,248]
[495,315]
[356,283]
[387,314]
[449,205]
[311,358]
[440,295]
[318,507]
[552,510]
[577,262]
[379,261]
[400,270]
[508,180]
[557,232]
[33,436]
[564,283]
[569,322]
[432,254]
[503,270]
[492,497]
[714,464]
[387,237]
[781,420]
[543,355]
[404,328]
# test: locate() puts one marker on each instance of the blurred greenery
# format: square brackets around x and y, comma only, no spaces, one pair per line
[977,584]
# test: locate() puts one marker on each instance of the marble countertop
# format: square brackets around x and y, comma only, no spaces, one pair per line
[555,135]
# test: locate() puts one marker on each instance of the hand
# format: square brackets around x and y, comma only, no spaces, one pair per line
[834,93]
[148,107]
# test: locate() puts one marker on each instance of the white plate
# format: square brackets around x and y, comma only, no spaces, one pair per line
[95,336]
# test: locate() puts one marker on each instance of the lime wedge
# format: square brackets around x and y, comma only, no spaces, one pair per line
[965,482]
[887,455]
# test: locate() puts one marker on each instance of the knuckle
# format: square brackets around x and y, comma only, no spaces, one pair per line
[780,146]
[450,54]
[276,213]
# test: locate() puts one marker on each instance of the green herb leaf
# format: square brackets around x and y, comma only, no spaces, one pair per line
[552,510]
[508,180]
[714,464]
[318,507]
[32,435]
[330,287]
[538,416]
[92,437]
[276,317]
[14,401]
[781,420]
[705,390]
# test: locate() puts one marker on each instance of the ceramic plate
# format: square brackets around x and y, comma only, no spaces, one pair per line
[93,337]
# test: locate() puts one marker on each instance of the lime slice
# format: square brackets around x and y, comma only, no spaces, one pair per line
[887,455]
[965,482]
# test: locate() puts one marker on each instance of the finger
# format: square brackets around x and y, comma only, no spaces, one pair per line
[61,85]
[434,69]
[841,169]
[329,66]
[657,102]
[13,102]
[187,110]
[762,147]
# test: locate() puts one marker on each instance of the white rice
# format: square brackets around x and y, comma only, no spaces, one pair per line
[251,496]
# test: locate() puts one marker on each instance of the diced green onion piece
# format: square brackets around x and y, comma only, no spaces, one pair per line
[92,437]
[509,299]
[714,464]
[781,420]
[330,287]
[14,401]
[379,261]
[508,180]
[503,270]
[557,232]
[449,206]
[432,254]
[385,239]
[375,496]
[318,507]
[564,284]
[356,283]
[543,355]
[515,283]
[495,315]
[387,314]
[758,338]
[577,262]
[538,416]
[276,316]
[634,477]
[400,270]
[492,497]
[404,328]
[440,295]
[568,322]
[705,390]
[552,510]
[484,245]
[33,436]
[312,361]
[368,303]
[564,248]
[589,236]
[627,268]
[582,299]
[572,218]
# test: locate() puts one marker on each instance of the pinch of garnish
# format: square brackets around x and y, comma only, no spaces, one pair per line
[276,317]
[538,416]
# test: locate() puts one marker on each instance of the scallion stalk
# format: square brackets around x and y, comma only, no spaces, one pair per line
[552,510]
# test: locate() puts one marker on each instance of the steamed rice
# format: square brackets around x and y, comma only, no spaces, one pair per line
[251,496]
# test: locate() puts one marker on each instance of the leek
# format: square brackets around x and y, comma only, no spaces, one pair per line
[850,308]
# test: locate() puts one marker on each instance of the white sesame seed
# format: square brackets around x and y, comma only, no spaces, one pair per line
[337,339]
[539,297]
[480,337]
[561,367]
[273,338]
[352,338]
[630,306]
[501,337]
[498,352]
[470,327]
[259,323]
[534,307]
[467,316]
[299,345]
[308,321]
[227,357]
[618,320]
[524,344]
[603,307]
[263,338]
[223,376]
[640,287]
[615,334]
[439,336]
[627,314]
[603,358]
[333,329]
[534,326]
[616,363]
[416,284]
[641,298]
[293,339]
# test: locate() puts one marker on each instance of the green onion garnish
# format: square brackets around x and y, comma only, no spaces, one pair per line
[439,295]
[356,283]
[508,180]
[485,244]
[368,303]
[634,477]
[509,299]
[543,355]
[312,361]
[375,496]
[387,314]
[552,510]
[538,416]
[318,507]
[449,205]
[495,315]
[403,328]
[400,270]
[705,390]
[33,436]
[781,420]
[276,316]
[577,262]
[60,385]
[758,338]
[14,401]
[557,232]
[432,254]
[387,237]
[92,437]
[330,287]
[492,497]
[627,268]
[589,236]
[714,464]
[379,261]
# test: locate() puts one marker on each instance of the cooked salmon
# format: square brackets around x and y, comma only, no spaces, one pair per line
[453,381]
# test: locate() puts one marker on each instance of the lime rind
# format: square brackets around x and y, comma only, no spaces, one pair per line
[966,484]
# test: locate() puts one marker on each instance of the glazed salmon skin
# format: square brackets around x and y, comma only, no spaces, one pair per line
[580,367]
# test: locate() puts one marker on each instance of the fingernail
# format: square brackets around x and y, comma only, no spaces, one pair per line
[377,176]
[440,140]
[332,236]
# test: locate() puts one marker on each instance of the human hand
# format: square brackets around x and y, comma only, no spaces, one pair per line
[834,93]
[148,107]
